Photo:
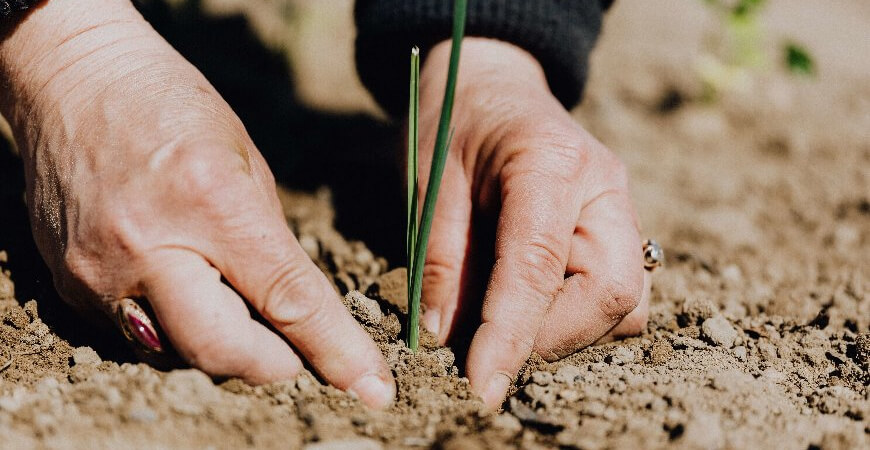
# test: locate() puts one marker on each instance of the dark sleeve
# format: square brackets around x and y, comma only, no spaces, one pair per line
[10,7]
[559,33]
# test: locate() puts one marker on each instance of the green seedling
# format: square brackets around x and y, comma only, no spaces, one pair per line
[413,186]
[418,230]
[798,60]
[729,66]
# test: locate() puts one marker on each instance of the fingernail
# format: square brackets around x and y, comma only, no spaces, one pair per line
[432,321]
[374,391]
[137,326]
[496,389]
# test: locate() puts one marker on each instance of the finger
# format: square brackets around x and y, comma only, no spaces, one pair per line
[532,244]
[209,325]
[607,263]
[635,322]
[447,254]
[271,270]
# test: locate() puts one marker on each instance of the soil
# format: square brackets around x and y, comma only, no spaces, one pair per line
[759,334]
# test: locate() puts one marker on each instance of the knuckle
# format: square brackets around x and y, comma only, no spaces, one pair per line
[566,160]
[202,176]
[541,267]
[199,176]
[555,162]
[283,302]
[439,270]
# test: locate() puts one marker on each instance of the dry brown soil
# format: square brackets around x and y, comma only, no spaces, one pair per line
[758,336]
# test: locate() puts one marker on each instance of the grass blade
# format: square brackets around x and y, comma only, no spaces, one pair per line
[413,168]
[442,144]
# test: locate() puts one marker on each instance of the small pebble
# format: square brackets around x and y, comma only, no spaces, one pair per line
[542,378]
[113,396]
[364,308]
[11,403]
[310,245]
[622,355]
[598,367]
[696,310]
[594,408]
[86,356]
[48,386]
[567,374]
[719,331]
[393,287]
[773,375]
[507,423]
[569,395]
[142,414]
[364,257]
[732,274]
[661,352]
[740,353]
[44,422]
[768,350]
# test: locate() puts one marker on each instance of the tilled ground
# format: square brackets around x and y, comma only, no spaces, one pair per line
[758,334]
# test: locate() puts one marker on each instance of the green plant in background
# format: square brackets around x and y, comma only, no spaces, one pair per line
[742,48]
[798,60]
[418,230]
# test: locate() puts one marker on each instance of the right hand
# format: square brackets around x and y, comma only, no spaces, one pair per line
[142,182]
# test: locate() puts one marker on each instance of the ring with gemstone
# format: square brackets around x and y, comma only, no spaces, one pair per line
[138,327]
[653,255]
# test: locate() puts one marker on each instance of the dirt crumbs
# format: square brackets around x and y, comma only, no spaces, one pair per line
[698,378]
[759,331]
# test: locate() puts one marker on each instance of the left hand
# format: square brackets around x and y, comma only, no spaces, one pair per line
[568,264]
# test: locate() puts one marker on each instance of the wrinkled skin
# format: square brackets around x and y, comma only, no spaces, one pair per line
[142,182]
[568,265]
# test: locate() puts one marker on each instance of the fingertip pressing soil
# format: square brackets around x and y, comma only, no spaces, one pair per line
[759,330]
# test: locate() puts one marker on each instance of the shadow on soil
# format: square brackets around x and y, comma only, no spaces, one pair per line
[306,149]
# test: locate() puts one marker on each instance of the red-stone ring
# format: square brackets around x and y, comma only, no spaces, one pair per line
[138,327]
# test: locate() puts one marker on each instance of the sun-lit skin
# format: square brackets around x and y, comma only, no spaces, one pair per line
[568,268]
[142,182]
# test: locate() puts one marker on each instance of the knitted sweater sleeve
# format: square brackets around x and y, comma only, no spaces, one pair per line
[10,7]
[559,33]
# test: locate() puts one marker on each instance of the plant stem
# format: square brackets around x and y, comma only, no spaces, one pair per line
[413,177]
[439,157]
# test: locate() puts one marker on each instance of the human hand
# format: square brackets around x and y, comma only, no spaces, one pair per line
[142,182]
[568,263]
